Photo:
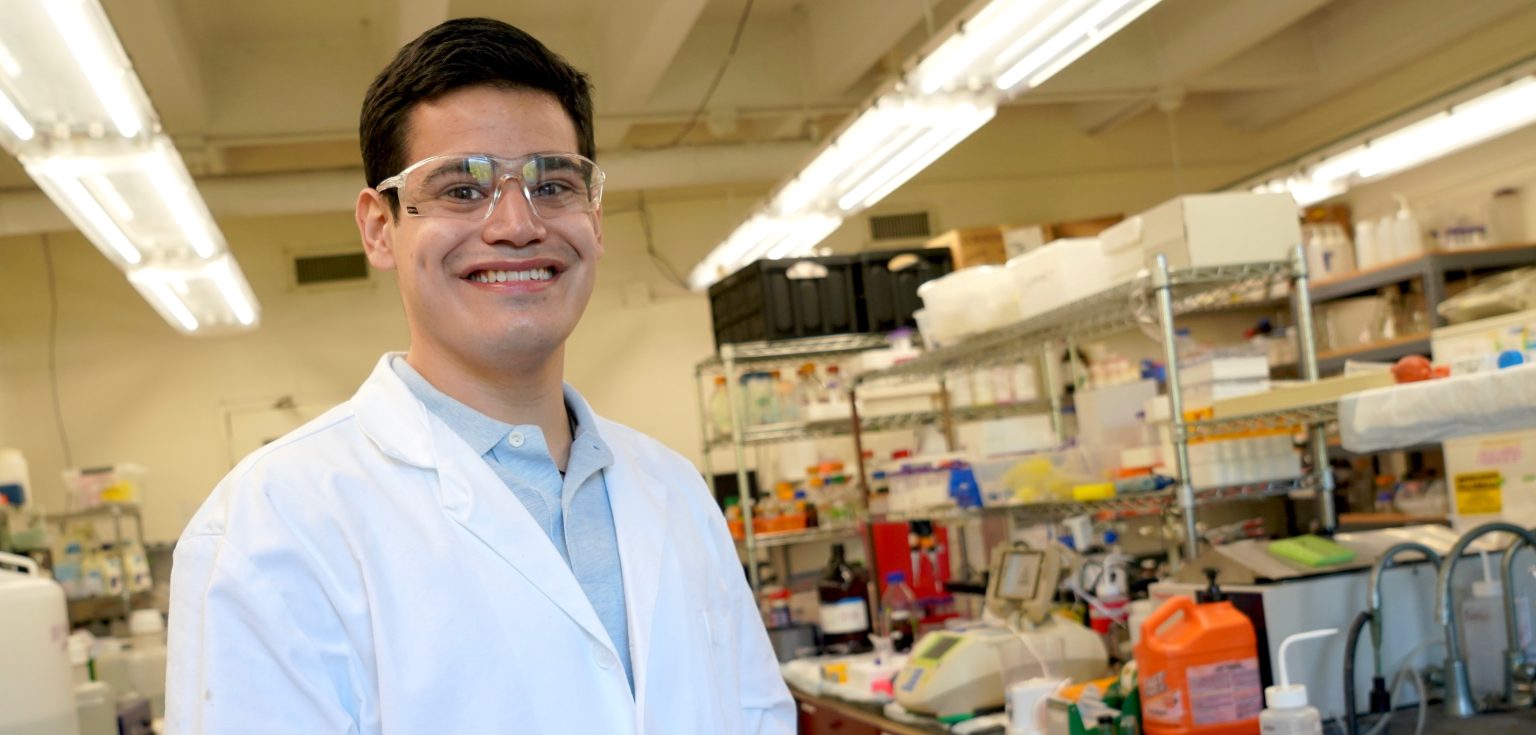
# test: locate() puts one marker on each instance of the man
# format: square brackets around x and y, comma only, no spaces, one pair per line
[464,547]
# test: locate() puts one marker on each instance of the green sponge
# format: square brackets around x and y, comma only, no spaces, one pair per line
[1311,551]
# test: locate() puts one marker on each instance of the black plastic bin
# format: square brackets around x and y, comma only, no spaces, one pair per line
[889,297]
[787,299]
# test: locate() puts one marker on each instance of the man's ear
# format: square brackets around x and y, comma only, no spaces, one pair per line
[373,223]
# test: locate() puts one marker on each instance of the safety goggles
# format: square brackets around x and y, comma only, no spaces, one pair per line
[467,186]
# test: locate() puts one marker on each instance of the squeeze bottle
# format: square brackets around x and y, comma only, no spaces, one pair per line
[1286,711]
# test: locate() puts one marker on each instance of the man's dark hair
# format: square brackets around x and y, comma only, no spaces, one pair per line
[464,52]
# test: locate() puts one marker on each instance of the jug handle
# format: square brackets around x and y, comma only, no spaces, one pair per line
[26,564]
[1163,613]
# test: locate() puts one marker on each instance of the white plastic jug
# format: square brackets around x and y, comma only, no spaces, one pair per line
[38,695]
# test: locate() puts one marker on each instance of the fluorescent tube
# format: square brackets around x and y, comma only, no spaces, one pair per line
[202,297]
[1409,142]
[13,119]
[173,304]
[180,197]
[67,192]
[90,50]
[1083,31]
[234,294]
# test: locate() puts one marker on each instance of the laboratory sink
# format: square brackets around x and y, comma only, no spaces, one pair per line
[1520,722]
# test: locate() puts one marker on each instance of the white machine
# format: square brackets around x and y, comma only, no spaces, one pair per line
[968,670]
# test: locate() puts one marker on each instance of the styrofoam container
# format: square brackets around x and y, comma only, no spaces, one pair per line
[897,399]
[969,301]
[1059,273]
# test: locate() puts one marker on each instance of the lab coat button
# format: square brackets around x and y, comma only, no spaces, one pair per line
[515,439]
[605,658]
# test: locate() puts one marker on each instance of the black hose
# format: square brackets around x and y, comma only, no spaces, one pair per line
[1350,645]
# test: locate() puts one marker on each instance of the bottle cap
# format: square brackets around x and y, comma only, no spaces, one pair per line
[145,622]
[896,577]
[1285,696]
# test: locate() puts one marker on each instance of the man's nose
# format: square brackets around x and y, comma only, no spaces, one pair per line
[512,217]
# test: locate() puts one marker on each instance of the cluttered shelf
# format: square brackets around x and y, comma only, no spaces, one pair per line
[1125,506]
[792,350]
[105,511]
[802,430]
[1289,418]
[1403,269]
[1116,309]
[106,607]
[769,539]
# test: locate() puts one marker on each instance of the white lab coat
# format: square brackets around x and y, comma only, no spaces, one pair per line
[369,574]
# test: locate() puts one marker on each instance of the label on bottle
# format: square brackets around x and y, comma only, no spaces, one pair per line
[848,615]
[1226,692]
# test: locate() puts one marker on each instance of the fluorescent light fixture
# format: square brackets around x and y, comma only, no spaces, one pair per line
[80,24]
[1005,48]
[67,75]
[179,195]
[207,297]
[74,113]
[133,199]
[87,214]
[1081,29]
[1409,142]
[1015,45]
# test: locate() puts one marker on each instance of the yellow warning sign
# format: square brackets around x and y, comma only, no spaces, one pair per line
[1479,492]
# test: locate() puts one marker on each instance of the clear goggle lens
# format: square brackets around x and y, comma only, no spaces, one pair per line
[468,186]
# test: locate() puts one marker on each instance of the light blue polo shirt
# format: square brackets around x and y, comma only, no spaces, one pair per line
[572,509]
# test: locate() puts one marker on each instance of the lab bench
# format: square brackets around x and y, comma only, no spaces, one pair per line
[818,715]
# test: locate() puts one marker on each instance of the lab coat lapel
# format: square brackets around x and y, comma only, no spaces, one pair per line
[639,503]
[478,500]
[469,491]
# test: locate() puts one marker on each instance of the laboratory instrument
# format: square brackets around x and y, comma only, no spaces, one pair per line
[969,670]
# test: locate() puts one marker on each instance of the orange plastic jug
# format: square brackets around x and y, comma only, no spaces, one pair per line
[1199,675]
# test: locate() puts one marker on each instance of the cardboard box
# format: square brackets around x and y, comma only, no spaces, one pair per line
[1212,229]
[973,246]
[1020,240]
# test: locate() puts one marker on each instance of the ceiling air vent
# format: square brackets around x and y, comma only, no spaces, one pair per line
[905,226]
[312,270]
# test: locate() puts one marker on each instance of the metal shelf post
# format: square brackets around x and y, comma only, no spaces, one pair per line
[706,431]
[1162,283]
[1317,432]
[738,418]
[1052,387]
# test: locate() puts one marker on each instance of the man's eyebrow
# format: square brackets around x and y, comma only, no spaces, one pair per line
[450,168]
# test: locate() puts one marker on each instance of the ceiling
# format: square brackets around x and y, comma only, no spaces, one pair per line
[253,90]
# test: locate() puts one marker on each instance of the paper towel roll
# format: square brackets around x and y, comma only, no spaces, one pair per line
[1026,705]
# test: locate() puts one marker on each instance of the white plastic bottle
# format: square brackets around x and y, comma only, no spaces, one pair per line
[1286,711]
[1482,625]
[146,662]
[94,703]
